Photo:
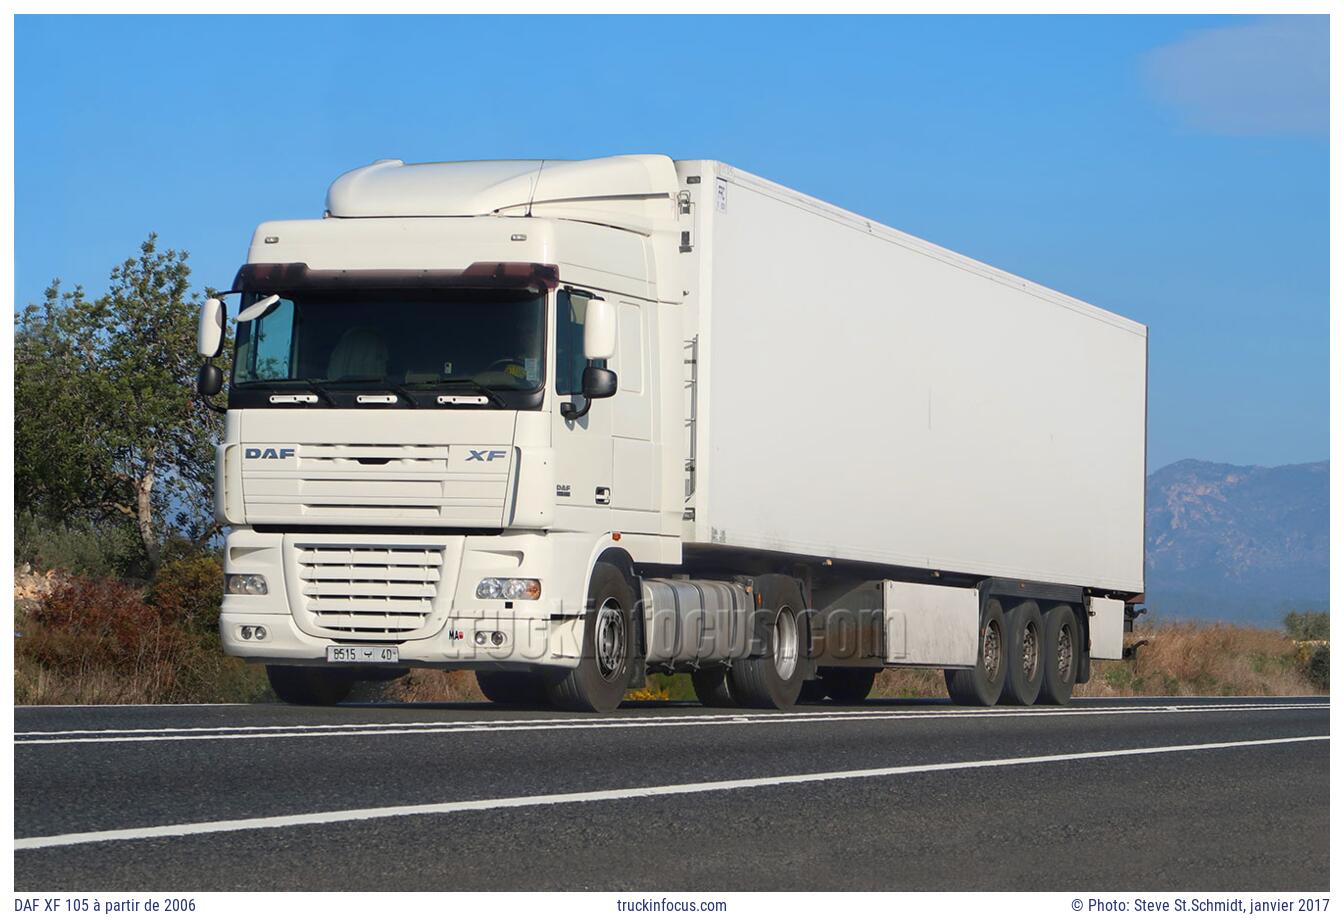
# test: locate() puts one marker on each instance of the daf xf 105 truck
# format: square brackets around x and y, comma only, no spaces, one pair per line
[569,423]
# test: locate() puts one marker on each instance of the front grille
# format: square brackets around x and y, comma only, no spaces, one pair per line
[369,591]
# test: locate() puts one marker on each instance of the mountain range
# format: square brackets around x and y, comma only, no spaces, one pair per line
[1242,544]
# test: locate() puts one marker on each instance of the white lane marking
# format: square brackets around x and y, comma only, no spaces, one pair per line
[257,733]
[607,795]
[701,715]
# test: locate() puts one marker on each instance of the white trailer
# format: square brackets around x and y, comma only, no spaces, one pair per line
[570,423]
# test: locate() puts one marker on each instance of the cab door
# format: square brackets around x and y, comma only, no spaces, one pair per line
[635,470]
[583,447]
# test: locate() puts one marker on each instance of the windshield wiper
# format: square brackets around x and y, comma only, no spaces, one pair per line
[380,383]
[488,392]
[309,382]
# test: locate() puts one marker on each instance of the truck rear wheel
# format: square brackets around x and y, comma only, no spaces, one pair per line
[309,686]
[711,687]
[847,685]
[1024,651]
[599,682]
[1062,652]
[983,684]
[510,688]
[773,678]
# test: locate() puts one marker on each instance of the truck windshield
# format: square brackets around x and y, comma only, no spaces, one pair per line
[399,340]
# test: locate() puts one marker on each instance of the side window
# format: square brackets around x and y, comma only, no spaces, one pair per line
[630,347]
[569,360]
[266,352]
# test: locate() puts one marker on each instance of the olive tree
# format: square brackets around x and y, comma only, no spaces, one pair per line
[107,424]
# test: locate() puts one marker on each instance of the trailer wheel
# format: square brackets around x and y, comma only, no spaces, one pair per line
[847,685]
[1062,653]
[712,688]
[773,678]
[510,688]
[300,686]
[1025,651]
[599,682]
[982,685]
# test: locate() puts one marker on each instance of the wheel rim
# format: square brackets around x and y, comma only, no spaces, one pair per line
[991,649]
[1031,651]
[786,643]
[609,636]
[1064,657]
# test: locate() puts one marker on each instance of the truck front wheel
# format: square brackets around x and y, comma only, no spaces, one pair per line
[598,683]
[983,684]
[309,686]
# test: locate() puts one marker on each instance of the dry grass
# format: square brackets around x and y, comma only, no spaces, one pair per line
[1175,659]
[1195,659]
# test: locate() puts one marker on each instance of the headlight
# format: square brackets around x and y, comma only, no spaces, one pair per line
[245,584]
[509,589]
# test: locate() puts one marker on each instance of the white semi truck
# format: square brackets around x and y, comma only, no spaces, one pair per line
[569,423]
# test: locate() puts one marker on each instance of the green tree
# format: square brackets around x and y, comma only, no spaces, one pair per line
[1312,625]
[108,426]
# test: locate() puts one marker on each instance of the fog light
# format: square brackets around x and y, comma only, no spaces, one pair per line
[480,638]
[245,584]
[260,632]
[509,589]
[497,638]
[247,632]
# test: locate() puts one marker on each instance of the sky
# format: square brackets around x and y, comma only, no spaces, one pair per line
[1174,169]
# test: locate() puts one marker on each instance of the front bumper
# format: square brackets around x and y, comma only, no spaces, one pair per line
[547,631]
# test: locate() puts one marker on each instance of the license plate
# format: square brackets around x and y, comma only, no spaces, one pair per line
[363,654]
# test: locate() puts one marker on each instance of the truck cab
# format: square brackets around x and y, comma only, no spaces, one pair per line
[449,403]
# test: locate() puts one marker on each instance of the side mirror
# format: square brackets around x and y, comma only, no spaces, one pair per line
[209,380]
[210,328]
[598,382]
[599,331]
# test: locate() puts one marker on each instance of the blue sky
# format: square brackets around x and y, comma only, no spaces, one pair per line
[1173,169]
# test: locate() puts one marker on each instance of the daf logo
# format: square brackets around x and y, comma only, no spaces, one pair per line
[268,453]
[484,455]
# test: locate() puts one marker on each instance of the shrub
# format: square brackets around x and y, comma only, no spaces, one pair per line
[189,592]
[1318,667]
[102,611]
[81,548]
[1311,626]
[99,641]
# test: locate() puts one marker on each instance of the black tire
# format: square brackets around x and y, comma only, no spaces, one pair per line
[599,682]
[847,685]
[772,677]
[711,687]
[309,686]
[1062,654]
[1026,632]
[982,685]
[512,688]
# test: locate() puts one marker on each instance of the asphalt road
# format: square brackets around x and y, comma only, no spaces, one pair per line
[1136,794]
